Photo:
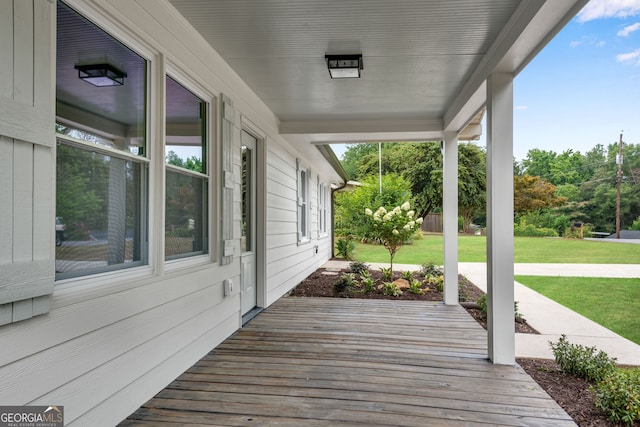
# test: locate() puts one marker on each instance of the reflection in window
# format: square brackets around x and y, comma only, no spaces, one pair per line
[186,173]
[101,164]
[99,202]
[185,217]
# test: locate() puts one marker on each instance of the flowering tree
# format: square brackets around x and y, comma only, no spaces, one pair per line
[393,227]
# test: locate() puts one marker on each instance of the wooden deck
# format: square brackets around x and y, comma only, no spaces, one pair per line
[344,362]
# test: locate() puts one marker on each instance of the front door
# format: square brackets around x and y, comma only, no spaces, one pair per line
[248,243]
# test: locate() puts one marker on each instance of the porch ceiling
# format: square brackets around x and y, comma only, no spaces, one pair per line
[425,61]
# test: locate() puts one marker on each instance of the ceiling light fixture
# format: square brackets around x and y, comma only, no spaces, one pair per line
[344,66]
[101,75]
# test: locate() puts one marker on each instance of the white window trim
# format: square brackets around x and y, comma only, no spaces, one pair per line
[174,72]
[302,199]
[323,214]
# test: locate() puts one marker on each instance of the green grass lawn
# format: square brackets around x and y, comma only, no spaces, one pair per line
[612,303]
[527,250]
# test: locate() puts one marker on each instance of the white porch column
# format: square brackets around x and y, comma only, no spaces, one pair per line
[500,297]
[450,217]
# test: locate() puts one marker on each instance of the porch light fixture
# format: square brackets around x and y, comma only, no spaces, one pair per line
[101,75]
[344,66]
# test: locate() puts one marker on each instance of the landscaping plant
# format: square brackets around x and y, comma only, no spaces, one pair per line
[581,361]
[617,390]
[394,227]
[618,394]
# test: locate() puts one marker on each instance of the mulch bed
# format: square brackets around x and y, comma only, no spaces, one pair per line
[571,393]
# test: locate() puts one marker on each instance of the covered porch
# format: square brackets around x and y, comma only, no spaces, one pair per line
[330,361]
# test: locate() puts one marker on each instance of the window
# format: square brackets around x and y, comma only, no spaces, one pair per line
[101,164]
[303,201]
[187,177]
[322,208]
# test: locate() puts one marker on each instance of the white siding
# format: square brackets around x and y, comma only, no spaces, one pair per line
[112,341]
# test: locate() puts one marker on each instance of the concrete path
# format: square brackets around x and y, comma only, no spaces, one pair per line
[552,319]
[547,316]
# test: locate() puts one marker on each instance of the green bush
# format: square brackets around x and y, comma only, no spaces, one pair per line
[345,284]
[429,269]
[390,289]
[345,248]
[581,361]
[618,395]
[530,230]
[482,305]
[358,267]
[387,273]
[415,287]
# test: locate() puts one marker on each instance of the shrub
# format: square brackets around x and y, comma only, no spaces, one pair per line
[345,284]
[530,230]
[430,269]
[407,275]
[581,361]
[345,248]
[415,287]
[437,282]
[367,283]
[358,267]
[482,305]
[618,394]
[391,289]
[387,274]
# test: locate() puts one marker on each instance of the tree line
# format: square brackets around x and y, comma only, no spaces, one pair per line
[553,191]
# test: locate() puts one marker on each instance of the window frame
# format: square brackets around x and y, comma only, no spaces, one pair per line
[302,203]
[144,161]
[207,254]
[322,208]
[142,268]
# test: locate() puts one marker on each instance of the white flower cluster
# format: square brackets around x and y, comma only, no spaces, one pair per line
[383,215]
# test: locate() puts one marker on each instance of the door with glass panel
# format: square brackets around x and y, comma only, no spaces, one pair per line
[248,243]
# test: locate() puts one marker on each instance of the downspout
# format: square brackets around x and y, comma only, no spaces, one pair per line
[331,157]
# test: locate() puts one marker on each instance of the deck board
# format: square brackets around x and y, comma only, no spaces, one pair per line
[346,362]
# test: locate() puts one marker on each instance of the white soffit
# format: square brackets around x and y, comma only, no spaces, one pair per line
[425,61]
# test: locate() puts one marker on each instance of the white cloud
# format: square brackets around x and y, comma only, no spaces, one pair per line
[588,40]
[597,9]
[632,57]
[629,29]
[521,107]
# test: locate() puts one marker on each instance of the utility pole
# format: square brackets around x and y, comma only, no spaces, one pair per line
[619,162]
[380,164]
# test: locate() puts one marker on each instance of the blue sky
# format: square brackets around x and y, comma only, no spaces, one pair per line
[583,89]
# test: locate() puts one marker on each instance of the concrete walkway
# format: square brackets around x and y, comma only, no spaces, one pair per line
[547,316]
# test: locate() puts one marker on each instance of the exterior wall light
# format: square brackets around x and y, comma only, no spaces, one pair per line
[101,75]
[344,66]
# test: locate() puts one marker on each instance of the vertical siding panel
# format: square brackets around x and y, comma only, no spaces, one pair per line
[43,217]
[22,202]
[44,46]
[6,49]
[23,53]
[6,194]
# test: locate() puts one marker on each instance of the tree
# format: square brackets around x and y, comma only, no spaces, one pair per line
[393,227]
[350,205]
[532,193]
[352,158]
[420,164]
[538,163]
[472,182]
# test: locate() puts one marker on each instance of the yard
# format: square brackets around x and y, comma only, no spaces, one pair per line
[527,250]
